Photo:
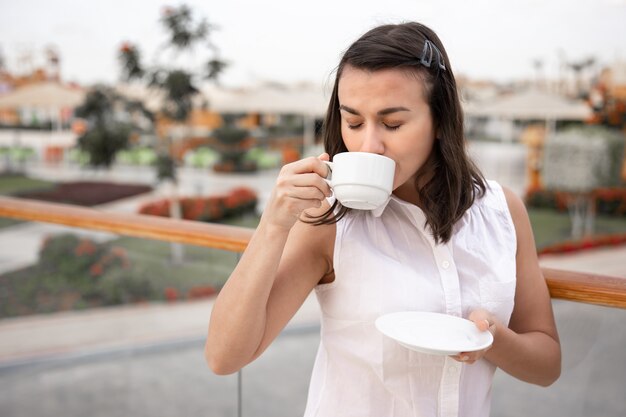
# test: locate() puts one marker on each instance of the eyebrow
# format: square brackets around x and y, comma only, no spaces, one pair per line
[382,112]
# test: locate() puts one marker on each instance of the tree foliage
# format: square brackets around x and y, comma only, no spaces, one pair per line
[179,85]
[183,34]
[109,125]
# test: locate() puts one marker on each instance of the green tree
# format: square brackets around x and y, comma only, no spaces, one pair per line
[179,85]
[108,124]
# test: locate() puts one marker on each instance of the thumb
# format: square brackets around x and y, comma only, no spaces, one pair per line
[324,157]
[482,318]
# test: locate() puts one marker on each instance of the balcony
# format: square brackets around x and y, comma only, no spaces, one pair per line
[146,359]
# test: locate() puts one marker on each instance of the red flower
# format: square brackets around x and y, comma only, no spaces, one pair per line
[171,294]
[126,47]
[201,292]
[96,269]
[85,247]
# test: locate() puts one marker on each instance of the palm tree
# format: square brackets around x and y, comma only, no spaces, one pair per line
[578,67]
[178,84]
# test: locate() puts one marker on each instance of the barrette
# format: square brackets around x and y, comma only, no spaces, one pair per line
[427,55]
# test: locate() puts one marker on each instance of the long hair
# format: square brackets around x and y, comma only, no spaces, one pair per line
[452,181]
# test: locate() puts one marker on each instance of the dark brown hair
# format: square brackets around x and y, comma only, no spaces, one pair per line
[452,179]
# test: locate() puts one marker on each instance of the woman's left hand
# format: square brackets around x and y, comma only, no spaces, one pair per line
[485,321]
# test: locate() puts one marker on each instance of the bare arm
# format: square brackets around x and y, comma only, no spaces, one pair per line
[284,261]
[529,349]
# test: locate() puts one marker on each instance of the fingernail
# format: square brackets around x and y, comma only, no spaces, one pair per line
[464,358]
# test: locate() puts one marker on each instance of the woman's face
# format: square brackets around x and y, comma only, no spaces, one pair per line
[386,112]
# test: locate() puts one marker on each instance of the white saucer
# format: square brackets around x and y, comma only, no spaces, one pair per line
[433,333]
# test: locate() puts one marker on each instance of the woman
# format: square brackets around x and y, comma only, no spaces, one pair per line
[447,241]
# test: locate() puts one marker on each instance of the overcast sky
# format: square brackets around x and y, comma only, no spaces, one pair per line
[290,40]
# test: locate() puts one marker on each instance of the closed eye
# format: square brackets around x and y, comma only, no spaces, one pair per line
[388,127]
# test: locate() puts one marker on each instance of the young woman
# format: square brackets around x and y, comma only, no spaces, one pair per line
[446,241]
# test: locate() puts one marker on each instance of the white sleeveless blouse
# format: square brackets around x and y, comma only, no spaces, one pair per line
[385,261]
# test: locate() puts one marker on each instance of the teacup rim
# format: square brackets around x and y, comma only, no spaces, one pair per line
[370,154]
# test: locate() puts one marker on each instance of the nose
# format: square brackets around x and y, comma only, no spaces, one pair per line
[372,141]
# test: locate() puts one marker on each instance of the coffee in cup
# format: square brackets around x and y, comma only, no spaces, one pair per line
[361,180]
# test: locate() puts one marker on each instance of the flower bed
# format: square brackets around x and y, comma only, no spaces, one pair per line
[592,242]
[208,209]
[609,201]
[77,272]
[86,193]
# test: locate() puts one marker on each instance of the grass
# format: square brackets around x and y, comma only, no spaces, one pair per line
[13,183]
[201,266]
[151,274]
[552,227]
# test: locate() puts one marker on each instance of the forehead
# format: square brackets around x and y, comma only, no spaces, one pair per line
[358,87]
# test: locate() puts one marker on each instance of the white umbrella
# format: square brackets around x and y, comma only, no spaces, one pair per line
[531,105]
[48,95]
[307,100]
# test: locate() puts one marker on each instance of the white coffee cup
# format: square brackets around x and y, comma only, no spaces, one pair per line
[361,180]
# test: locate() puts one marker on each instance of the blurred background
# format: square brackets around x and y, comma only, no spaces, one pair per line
[186,111]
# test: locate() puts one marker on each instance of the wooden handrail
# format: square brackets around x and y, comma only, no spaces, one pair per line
[586,288]
[217,236]
[572,286]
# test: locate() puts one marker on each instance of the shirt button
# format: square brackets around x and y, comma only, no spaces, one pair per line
[445,264]
[453,369]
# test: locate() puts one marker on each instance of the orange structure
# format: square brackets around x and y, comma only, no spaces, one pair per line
[534,138]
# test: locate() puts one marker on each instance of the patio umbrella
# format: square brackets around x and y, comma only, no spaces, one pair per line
[305,99]
[48,95]
[531,105]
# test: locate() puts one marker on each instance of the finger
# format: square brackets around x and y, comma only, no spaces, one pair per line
[307,165]
[305,180]
[469,357]
[482,319]
[325,157]
[483,324]
[306,193]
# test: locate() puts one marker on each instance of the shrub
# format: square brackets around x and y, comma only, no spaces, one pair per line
[610,201]
[209,209]
[76,258]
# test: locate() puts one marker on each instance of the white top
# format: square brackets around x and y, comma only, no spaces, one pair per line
[385,261]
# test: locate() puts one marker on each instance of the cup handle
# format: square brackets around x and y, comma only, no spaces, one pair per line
[329,177]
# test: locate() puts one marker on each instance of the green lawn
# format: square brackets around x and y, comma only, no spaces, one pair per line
[201,267]
[11,184]
[551,227]
[61,283]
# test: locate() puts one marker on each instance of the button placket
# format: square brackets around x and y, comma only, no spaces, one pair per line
[449,389]
[449,279]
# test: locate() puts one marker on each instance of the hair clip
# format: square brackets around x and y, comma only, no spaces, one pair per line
[427,55]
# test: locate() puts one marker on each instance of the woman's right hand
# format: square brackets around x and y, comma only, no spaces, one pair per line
[300,186]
